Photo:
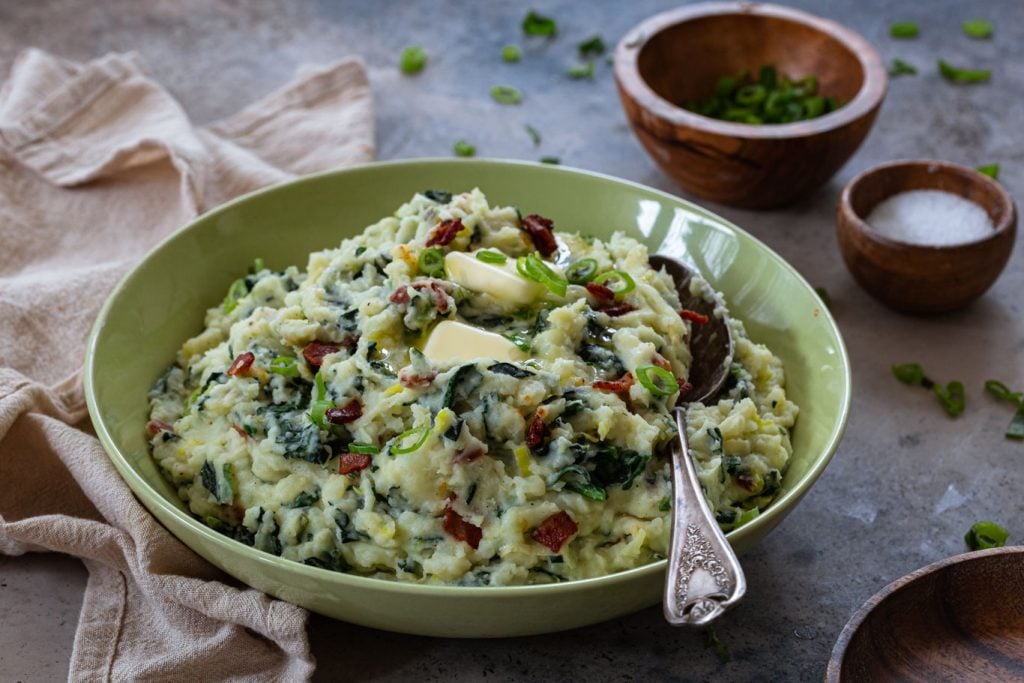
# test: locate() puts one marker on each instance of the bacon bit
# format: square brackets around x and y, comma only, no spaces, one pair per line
[350,412]
[241,364]
[540,231]
[154,427]
[353,462]
[241,432]
[537,432]
[470,454]
[693,316]
[684,389]
[746,481]
[618,386]
[410,379]
[315,351]
[460,529]
[400,296]
[554,531]
[600,291]
[445,232]
[616,311]
[661,361]
[440,297]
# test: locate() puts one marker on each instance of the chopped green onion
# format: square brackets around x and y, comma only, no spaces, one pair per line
[991,170]
[900,68]
[748,516]
[1000,391]
[236,291]
[318,413]
[321,388]
[619,281]
[257,265]
[581,272]
[398,446]
[534,134]
[909,373]
[506,94]
[591,47]
[363,448]
[535,24]
[959,75]
[978,28]
[284,365]
[986,535]
[413,60]
[491,257]
[532,268]
[432,262]
[580,71]
[770,98]
[1016,428]
[554,161]
[951,396]
[463,149]
[904,29]
[511,53]
[658,381]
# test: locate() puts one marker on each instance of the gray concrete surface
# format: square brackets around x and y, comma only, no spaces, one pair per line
[906,482]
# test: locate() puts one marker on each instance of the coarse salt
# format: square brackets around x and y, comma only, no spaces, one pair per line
[931,218]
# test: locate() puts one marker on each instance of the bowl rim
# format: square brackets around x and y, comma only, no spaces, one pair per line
[149,496]
[851,220]
[833,673]
[629,79]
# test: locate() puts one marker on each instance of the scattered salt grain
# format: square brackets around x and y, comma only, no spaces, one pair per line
[930,218]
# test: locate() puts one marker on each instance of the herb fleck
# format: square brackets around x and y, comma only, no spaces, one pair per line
[506,94]
[591,47]
[979,29]
[511,53]
[991,170]
[959,75]
[904,29]
[463,149]
[986,535]
[900,68]
[535,24]
[413,60]
[534,134]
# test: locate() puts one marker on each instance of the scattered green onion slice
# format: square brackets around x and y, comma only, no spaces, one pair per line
[432,262]
[317,413]
[951,396]
[285,365]
[959,75]
[986,535]
[1000,391]
[511,53]
[909,373]
[463,149]
[364,448]
[770,98]
[532,268]
[978,28]
[1016,428]
[554,161]
[491,257]
[903,29]
[534,134]
[581,272]
[506,94]
[413,60]
[591,47]
[257,265]
[420,434]
[619,281]
[580,71]
[321,388]
[900,68]
[658,381]
[535,24]
[236,291]
[991,170]
[748,516]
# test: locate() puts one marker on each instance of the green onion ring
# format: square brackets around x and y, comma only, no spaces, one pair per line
[532,268]
[363,448]
[650,375]
[321,390]
[491,257]
[317,413]
[581,272]
[284,365]
[236,291]
[432,261]
[624,279]
[398,449]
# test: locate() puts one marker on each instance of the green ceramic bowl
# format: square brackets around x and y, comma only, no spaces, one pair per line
[162,302]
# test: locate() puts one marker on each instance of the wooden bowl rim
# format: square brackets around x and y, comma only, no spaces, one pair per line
[627,72]
[833,674]
[850,220]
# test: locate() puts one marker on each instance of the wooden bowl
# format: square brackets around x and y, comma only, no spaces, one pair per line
[678,56]
[961,619]
[915,278]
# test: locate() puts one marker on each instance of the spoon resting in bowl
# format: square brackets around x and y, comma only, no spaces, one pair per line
[704,577]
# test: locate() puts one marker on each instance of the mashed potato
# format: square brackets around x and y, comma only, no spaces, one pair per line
[460,395]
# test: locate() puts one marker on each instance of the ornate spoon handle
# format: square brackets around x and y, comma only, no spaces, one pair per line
[704,577]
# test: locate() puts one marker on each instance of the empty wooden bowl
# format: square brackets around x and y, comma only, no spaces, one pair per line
[961,619]
[915,278]
[679,55]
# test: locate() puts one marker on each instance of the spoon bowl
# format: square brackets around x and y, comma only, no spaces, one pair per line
[704,577]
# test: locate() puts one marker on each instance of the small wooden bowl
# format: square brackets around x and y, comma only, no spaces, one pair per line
[961,619]
[679,55]
[915,278]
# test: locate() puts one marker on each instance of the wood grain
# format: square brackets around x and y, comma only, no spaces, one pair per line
[678,56]
[915,278]
[961,619]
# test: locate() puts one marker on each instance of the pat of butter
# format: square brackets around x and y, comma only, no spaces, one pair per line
[501,281]
[452,340]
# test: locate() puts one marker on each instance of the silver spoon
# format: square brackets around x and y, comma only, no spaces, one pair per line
[704,577]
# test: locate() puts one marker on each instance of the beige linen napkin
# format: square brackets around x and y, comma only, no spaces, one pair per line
[97,164]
